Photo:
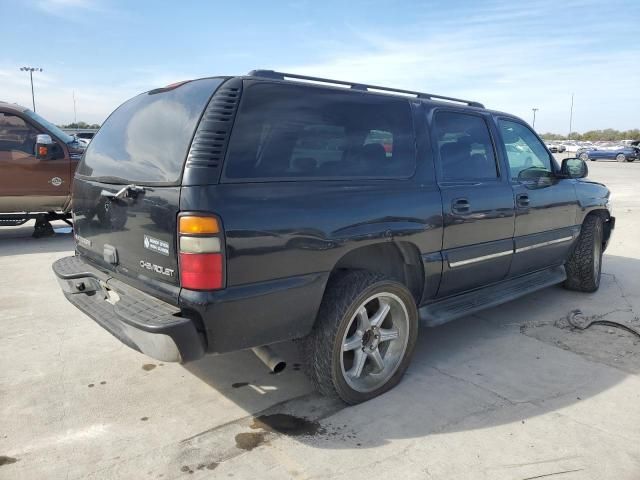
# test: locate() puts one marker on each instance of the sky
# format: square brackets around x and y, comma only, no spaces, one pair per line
[512,56]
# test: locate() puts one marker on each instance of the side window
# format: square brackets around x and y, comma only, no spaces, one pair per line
[16,134]
[296,132]
[524,150]
[465,147]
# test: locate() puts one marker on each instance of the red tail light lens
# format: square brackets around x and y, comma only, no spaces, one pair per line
[201,246]
[201,271]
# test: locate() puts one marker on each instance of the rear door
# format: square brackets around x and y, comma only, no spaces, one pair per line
[477,202]
[127,187]
[546,206]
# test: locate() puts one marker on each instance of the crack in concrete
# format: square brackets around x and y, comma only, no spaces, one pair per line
[554,473]
[481,387]
[623,295]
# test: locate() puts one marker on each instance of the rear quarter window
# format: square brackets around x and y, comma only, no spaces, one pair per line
[147,138]
[297,132]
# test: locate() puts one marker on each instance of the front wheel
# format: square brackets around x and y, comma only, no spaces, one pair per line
[363,338]
[584,157]
[621,157]
[584,266]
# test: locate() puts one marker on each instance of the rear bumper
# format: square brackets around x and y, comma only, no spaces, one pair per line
[140,321]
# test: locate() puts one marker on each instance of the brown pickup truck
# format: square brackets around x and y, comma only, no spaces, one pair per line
[37,161]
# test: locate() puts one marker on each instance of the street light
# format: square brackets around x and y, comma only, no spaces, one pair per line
[31,70]
[534,116]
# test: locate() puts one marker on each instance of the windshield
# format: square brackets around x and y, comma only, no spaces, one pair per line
[54,129]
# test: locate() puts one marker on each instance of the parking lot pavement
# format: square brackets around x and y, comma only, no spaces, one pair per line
[509,393]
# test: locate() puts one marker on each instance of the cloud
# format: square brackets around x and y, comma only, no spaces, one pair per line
[61,7]
[509,56]
[94,100]
[509,59]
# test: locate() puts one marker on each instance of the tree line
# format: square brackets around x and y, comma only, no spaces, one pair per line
[606,134]
[81,125]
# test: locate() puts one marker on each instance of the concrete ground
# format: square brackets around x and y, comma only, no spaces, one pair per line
[510,393]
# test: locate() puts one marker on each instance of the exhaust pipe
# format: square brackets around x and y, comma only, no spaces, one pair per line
[270,359]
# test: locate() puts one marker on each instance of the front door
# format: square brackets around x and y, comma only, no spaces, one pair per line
[477,203]
[22,174]
[546,206]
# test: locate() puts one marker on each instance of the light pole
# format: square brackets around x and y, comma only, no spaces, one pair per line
[31,70]
[571,117]
[534,116]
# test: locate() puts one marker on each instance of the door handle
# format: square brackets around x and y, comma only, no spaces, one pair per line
[522,200]
[460,205]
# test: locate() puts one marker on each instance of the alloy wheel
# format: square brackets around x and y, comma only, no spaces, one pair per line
[374,342]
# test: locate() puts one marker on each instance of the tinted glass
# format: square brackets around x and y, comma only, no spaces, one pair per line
[52,128]
[294,132]
[147,138]
[524,150]
[465,147]
[16,134]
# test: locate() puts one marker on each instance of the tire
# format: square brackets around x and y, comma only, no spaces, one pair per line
[584,266]
[351,370]
[621,158]
[584,157]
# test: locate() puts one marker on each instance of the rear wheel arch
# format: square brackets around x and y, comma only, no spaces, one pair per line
[400,261]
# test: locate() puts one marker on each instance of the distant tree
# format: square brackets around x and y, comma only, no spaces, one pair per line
[80,125]
[609,134]
[552,136]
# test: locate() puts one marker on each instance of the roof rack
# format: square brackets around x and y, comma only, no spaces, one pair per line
[358,86]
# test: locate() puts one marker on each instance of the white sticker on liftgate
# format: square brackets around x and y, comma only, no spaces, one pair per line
[156,245]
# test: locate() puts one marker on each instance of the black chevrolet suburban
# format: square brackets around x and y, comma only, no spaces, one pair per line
[230,213]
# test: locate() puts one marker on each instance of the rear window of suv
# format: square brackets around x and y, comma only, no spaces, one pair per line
[299,132]
[146,139]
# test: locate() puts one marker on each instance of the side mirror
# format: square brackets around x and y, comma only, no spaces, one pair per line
[574,168]
[44,144]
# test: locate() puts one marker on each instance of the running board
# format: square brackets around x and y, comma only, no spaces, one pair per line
[12,221]
[445,310]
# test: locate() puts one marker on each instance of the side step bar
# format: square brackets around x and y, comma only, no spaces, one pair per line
[447,309]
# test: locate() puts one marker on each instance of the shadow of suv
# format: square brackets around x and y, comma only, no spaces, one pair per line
[229,213]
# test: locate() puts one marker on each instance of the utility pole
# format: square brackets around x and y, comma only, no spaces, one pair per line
[571,117]
[534,117]
[31,70]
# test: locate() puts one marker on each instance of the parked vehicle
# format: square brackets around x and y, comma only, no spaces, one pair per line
[37,160]
[85,135]
[556,147]
[231,213]
[619,153]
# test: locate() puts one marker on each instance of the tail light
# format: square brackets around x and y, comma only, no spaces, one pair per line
[201,255]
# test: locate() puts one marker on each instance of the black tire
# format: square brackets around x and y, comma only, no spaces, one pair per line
[621,158]
[584,266]
[323,347]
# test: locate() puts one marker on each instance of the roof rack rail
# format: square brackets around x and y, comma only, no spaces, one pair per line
[358,86]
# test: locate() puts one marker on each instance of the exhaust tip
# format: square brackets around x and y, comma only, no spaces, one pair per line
[279,367]
[270,359]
